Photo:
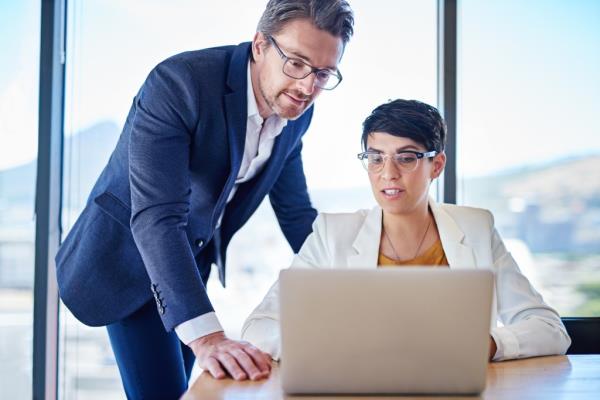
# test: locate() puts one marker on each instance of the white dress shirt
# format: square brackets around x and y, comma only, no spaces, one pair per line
[260,138]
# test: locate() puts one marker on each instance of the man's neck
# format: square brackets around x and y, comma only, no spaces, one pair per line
[263,108]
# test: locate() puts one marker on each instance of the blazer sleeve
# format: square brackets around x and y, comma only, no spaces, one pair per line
[166,114]
[531,327]
[261,328]
[290,201]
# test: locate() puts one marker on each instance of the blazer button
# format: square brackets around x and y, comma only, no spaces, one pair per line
[199,242]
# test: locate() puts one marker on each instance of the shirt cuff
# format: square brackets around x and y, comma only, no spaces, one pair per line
[506,342]
[195,328]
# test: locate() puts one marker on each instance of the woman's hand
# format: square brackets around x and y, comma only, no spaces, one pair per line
[493,349]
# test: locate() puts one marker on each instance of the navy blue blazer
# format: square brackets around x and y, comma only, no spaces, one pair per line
[149,226]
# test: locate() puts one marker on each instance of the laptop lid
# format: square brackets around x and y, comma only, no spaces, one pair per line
[408,330]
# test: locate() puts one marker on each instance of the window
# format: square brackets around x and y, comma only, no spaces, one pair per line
[393,54]
[19,76]
[528,144]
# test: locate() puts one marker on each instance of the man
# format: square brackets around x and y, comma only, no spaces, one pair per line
[209,135]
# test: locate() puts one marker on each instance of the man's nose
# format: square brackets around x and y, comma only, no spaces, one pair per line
[307,85]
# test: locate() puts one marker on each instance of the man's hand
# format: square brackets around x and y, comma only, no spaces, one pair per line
[221,356]
[493,348]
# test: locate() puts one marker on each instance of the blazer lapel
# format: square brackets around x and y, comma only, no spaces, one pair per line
[459,255]
[365,248]
[249,194]
[236,107]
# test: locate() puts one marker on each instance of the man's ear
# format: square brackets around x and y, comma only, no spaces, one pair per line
[439,162]
[259,44]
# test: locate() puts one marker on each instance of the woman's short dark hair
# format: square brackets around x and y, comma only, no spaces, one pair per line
[410,119]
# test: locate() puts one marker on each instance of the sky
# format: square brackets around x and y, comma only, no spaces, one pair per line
[19,59]
[528,74]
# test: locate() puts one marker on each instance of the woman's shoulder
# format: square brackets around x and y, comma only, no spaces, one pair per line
[468,216]
[347,222]
[357,217]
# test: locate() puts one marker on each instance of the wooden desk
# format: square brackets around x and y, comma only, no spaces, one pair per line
[574,377]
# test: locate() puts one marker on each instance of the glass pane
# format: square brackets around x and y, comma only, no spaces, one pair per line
[393,54]
[19,77]
[379,64]
[529,143]
[102,82]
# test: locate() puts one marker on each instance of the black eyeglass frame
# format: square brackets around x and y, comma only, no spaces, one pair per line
[313,70]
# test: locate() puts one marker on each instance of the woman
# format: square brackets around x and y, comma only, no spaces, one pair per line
[404,152]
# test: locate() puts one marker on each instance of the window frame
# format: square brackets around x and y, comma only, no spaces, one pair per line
[49,183]
[48,198]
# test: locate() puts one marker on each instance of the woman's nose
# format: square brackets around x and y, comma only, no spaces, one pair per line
[390,171]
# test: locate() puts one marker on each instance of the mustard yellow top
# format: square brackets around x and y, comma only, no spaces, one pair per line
[434,256]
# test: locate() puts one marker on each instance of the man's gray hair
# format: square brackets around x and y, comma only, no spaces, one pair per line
[333,16]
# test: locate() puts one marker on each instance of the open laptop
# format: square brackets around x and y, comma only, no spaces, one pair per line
[402,331]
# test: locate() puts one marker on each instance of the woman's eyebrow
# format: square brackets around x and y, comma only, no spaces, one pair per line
[407,147]
[398,150]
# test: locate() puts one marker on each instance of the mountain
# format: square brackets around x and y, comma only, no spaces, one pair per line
[85,155]
[558,181]
[553,207]
[94,145]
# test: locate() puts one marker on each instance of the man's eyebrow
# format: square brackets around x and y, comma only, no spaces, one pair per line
[307,59]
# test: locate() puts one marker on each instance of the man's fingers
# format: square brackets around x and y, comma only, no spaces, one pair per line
[247,363]
[232,366]
[261,359]
[215,369]
[223,356]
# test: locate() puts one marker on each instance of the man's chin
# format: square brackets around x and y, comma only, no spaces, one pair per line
[292,113]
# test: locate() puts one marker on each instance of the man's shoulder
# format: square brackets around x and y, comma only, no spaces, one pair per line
[220,53]
[204,62]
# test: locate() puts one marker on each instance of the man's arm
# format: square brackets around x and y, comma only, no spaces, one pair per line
[291,203]
[160,190]
[165,118]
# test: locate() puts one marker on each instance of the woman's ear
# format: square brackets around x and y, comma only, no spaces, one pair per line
[439,162]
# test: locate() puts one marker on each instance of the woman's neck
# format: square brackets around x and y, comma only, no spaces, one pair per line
[405,236]
[406,225]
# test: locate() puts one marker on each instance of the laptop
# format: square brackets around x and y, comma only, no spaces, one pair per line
[399,331]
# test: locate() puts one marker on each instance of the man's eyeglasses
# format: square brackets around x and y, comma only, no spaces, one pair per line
[298,69]
[406,161]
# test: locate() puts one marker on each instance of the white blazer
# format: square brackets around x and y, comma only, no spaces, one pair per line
[529,327]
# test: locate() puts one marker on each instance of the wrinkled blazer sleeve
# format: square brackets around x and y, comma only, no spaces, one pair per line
[166,114]
[531,327]
[261,328]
